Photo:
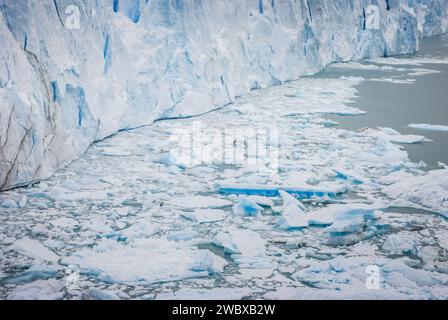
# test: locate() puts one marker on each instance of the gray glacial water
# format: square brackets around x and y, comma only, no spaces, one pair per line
[398,105]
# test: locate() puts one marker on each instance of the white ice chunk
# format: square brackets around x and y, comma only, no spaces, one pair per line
[432,127]
[246,207]
[391,135]
[246,246]
[64,223]
[293,217]
[34,249]
[262,201]
[140,229]
[39,290]
[423,192]
[289,199]
[97,294]
[205,215]
[354,222]
[146,261]
[400,243]
[193,202]
[184,235]
[9,203]
[206,294]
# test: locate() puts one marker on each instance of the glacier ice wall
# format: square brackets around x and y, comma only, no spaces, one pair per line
[131,62]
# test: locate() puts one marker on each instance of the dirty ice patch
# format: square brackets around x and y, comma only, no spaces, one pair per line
[428,192]
[147,261]
[431,127]
[193,202]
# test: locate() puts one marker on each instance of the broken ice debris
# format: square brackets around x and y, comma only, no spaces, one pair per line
[205,215]
[400,243]
[146,261]
[246,207]
[184,235]
[354,222]
[140,229]
[422,192]
[193,202]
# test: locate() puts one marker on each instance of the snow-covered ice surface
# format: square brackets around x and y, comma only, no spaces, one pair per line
[139,226]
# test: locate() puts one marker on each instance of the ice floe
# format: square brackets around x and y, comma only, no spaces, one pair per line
[205,215]
[34,249]
[193,202]
[247,247]
[429,191]
[432,127]
[145,262]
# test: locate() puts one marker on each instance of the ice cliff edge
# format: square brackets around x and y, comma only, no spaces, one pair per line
[73,72]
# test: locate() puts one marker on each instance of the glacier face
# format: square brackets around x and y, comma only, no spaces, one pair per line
[130,62]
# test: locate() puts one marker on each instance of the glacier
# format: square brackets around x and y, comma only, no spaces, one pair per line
[134,226]
[74,72]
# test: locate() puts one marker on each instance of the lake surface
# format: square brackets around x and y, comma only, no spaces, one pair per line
[396,105]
